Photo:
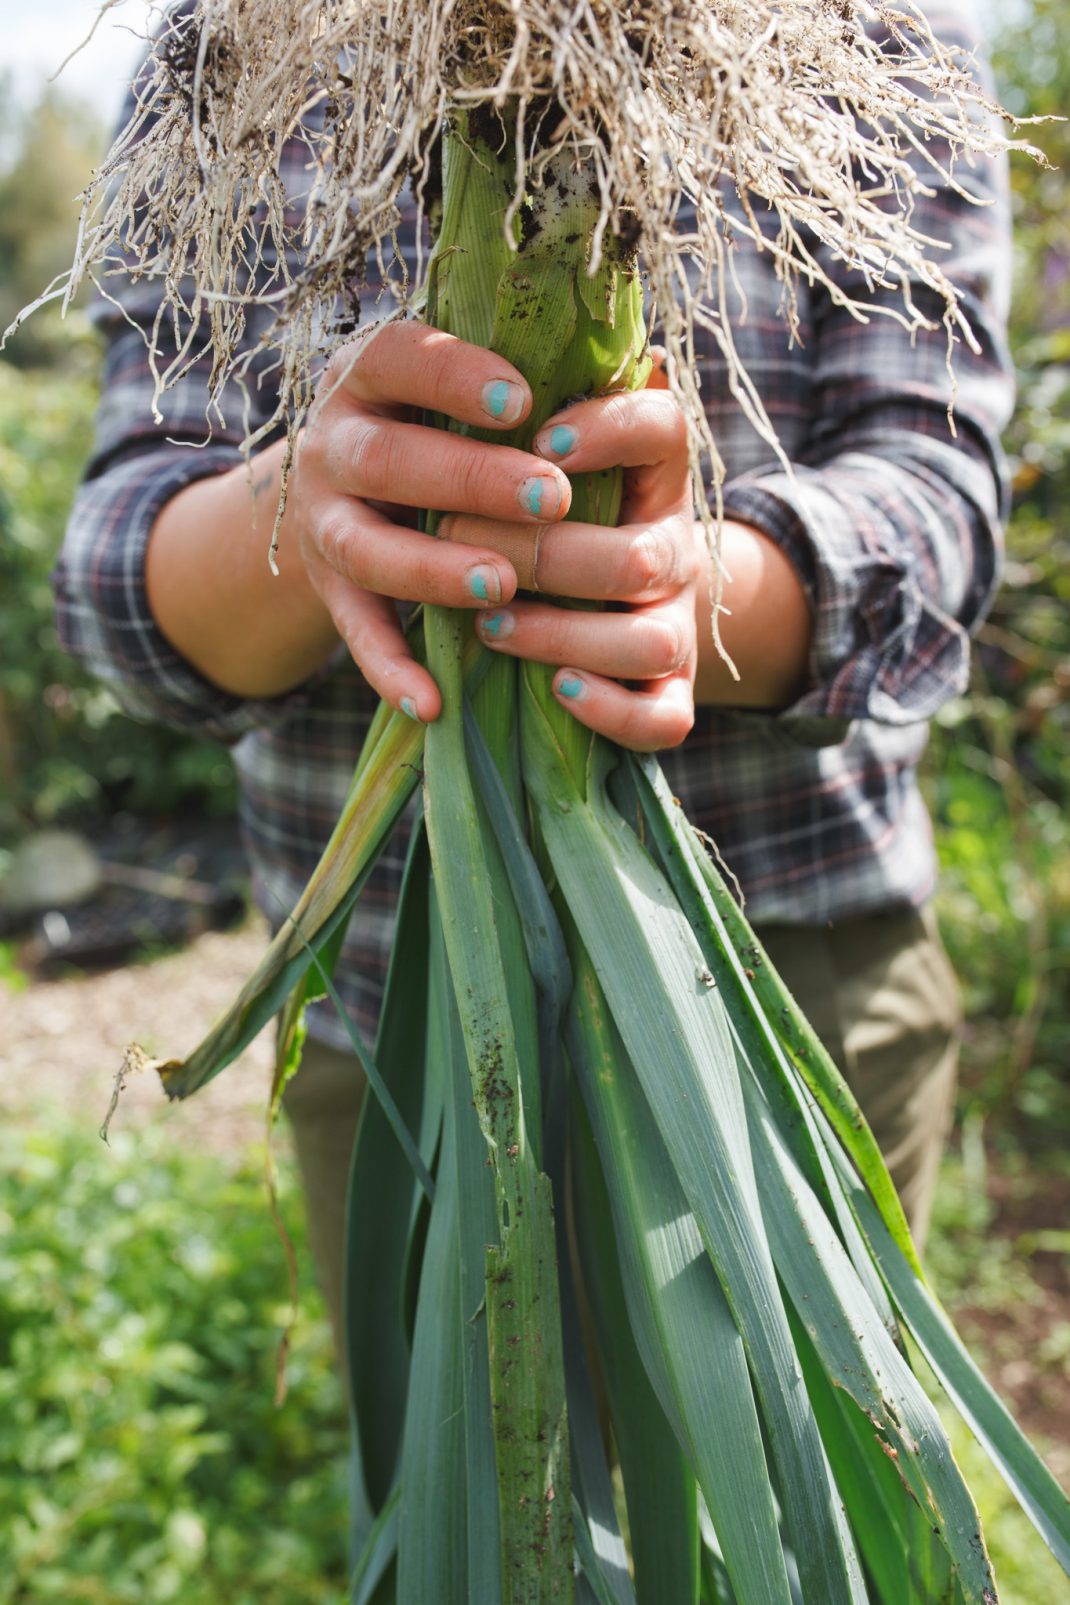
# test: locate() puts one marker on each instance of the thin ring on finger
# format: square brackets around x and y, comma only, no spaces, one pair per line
[590,562]
[645,643]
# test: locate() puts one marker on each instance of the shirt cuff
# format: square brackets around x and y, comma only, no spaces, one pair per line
[881,649]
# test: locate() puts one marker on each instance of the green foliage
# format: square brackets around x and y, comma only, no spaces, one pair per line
[46,160]
[1031,58]
[141,1456]
[985,1274]
[64,744]
[998,780]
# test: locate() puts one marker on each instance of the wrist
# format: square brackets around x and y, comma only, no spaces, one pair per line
[211,590]
[766,630]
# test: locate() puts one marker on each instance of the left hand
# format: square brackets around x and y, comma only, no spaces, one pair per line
[652,564]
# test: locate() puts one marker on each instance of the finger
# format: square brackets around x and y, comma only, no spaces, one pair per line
[647,720]
[381,459]
[644,644]
[370,627]
[421,367]
[634,563]
[658,378]
[375,554]
[641,430]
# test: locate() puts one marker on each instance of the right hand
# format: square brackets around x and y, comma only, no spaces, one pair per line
[363,467]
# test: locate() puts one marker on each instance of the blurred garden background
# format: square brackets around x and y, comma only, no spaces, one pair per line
[143,1285]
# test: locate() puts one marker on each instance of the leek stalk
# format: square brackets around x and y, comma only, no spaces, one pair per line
[741,1243]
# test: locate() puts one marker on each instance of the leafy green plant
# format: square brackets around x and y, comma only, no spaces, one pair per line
[998,779]
[985,1271]
[65,745]
[47,154]
[141,1456]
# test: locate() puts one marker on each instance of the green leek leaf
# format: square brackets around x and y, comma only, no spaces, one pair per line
[683,1329]
[651,969]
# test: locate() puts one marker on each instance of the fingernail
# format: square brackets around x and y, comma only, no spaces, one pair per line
[556,442]
[498,626]
[408,706]
[504,401]
[540,496]
[572,687]
[484,583]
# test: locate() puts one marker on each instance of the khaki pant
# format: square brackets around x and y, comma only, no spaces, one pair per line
[879,992]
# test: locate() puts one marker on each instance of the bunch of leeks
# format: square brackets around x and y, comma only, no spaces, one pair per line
[610,1196]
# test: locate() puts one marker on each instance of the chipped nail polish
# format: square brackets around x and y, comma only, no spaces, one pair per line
[485,584]
[408,706]
[497,626]
[503,401]
[540,496]
[571,686]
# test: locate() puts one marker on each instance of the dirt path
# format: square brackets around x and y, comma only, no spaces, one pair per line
[62,1041]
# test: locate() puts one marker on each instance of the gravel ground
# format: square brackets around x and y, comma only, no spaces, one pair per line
[63,1042]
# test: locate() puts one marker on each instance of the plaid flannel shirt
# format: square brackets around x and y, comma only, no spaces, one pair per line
[892,520]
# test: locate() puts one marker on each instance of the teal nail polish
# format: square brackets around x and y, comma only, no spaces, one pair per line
[408,706]
[496,625]
[485,584]
[540,497]
[503,400]
[569,687]
[562,440]
[497,398]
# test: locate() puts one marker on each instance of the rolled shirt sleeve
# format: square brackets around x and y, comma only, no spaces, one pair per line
[890,513]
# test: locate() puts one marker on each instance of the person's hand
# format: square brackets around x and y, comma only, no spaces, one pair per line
[363,465]
[648,567]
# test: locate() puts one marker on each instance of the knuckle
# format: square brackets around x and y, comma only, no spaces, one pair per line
[344,363]
[312,459]
[439,359]
[649,562]
[620,413]
[555,630]
[676,727]
[466,489]
[426,575]
[665,649]
[649,728]
[366,359]
[332,539]
[371,459]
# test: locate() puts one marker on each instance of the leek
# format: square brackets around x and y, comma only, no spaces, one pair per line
[587,1006]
